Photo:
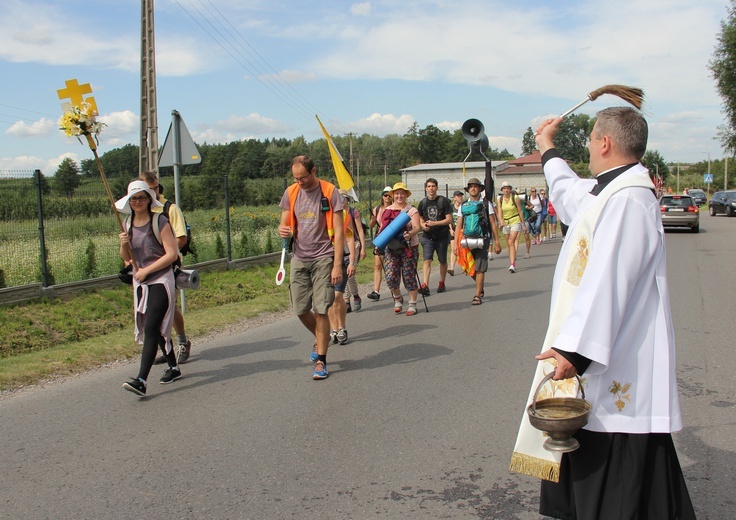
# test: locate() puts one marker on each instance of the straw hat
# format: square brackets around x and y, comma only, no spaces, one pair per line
[506,184]
[123,205]
[400,186]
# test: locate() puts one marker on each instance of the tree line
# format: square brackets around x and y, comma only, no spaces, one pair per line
[257,171]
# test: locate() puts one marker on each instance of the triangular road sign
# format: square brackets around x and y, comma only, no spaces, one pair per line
[179,147]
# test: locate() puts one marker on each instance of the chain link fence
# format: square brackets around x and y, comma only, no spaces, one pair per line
[56,231]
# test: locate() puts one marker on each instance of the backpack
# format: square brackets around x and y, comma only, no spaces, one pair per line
[155,226]
[474,219]
[186,248]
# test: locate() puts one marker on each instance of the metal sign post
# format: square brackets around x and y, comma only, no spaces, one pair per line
[178,138]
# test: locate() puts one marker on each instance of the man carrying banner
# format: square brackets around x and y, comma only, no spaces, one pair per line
[610,323]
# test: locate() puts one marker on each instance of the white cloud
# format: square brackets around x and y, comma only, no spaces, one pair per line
[123,122]
[30,163]
[41,128]
[294,76]
[383,124]
[236,128]
[361,9]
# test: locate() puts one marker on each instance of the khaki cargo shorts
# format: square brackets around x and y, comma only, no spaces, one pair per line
[310,285]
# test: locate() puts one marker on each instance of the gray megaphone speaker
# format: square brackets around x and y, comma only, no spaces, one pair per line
[474,133]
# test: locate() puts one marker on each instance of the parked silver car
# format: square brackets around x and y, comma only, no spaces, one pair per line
[680,211]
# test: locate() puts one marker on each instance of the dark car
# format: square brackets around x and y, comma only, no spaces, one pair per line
[680,210]
[723,202]
[698,196]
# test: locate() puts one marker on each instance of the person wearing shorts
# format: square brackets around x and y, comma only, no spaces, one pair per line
[508,213]
[339,310]
[435,217]
[312,214]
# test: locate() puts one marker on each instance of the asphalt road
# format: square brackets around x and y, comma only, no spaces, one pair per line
[418,418]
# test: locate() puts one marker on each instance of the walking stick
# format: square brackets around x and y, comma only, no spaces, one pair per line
[424,298]
[419,283]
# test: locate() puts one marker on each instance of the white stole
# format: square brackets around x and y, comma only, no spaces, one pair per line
[530,457]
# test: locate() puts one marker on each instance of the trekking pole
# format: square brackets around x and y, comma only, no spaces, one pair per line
[424,298]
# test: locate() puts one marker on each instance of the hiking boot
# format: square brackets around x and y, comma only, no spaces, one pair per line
[441,287]
[348,308]
[313,357]
[412,310]
[358,303]
[424,290]
[333,337]
[136,386]
[183,352]
[374,296]
[398,304]
[171,375]
[320,371]
[342,336]
[160,360]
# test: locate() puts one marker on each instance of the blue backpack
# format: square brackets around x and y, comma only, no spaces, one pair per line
[474,219]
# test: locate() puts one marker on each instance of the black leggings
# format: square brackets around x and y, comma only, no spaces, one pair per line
[158,305]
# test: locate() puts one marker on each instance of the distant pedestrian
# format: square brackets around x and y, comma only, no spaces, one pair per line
[435,217]
[378,254]
[552,219]
[338,311]
[457,200]
[474,212]
[351,288]
[509,214]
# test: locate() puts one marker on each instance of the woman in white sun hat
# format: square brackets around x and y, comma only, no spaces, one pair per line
[154,249]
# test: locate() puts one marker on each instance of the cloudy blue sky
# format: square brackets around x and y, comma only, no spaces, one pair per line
[238,69]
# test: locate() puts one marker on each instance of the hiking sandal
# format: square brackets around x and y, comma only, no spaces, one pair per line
[398,304]
[412,310]
[477,300]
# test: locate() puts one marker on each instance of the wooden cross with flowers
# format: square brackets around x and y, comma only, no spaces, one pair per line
[80,119]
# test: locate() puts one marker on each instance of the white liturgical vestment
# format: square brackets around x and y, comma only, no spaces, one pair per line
[610,304]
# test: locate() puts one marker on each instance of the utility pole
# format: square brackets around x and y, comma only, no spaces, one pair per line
[350,160]
[148,151]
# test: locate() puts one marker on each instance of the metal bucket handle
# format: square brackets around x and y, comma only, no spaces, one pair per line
[547,378]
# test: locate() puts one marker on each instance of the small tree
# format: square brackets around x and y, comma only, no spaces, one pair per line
[66,180]
[721,66]
[90,264]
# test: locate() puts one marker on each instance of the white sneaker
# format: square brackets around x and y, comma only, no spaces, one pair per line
[490,255]
[512,268]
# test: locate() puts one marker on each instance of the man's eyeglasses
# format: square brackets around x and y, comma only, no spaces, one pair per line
[142,198]
[302,178]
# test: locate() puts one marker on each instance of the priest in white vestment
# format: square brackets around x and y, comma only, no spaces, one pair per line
[610,323]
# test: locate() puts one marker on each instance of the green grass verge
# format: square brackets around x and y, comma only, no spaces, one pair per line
[54,338]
